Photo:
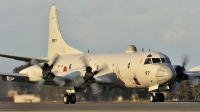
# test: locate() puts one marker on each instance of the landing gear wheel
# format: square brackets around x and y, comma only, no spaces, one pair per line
[161,97]
[66,99]
[72,99]
[154,98]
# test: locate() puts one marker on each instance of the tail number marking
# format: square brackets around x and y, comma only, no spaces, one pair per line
[54,40]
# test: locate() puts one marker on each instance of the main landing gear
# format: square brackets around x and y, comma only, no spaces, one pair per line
[69,98]
[157,97]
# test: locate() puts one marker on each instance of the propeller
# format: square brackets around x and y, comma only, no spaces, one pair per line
[181,74]
[194,80]
[89,75]
[46,72]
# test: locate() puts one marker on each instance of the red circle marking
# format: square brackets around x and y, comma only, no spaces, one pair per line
[65,69]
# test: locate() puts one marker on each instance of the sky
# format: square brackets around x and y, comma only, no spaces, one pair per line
[102,26]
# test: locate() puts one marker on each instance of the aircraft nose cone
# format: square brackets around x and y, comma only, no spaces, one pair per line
[164,74]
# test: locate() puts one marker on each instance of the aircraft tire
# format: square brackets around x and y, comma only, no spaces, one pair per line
[151,98]
[154,98]
[66,99]
[161,97]
[73,99]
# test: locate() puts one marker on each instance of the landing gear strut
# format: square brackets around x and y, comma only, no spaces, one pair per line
[69,98]
[157,97]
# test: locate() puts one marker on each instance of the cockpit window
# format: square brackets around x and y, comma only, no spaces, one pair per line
[148,61]
[156,60]
[163,59]
[167,60]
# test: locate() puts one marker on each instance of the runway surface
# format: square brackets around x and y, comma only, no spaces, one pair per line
[104,107]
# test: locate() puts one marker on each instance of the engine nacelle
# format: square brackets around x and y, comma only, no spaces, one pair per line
[33,72]
[77,76]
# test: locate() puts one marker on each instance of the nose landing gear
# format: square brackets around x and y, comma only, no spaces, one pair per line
[69,99]
[157,97]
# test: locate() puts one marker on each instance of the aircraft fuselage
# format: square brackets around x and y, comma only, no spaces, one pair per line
[130,70]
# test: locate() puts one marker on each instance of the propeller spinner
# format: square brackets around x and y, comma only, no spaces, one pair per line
[47,72]
[89,75]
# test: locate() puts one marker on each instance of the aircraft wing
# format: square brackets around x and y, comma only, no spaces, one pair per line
[103,80]
[71,76]
[194,72]
[15,75]
[66,78]
[23,58]
[106,78]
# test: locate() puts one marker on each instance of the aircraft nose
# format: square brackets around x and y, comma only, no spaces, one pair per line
[164,74]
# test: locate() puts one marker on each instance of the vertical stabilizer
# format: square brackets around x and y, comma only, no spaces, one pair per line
[56,43]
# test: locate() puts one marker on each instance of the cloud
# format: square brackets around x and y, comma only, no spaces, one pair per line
[136,10]
[86,34]
[134,7]
[96,9]
[184,25]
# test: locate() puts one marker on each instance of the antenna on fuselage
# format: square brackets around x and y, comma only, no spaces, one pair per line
[149,50]
[88,51]
[142,49]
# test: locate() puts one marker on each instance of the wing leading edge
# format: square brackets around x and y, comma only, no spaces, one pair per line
[23,58]
[14,75]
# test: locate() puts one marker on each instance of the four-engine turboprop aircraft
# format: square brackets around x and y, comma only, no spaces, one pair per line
[70,68]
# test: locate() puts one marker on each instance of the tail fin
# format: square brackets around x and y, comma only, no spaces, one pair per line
[56,43]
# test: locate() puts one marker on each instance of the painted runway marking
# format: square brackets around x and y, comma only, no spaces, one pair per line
[176,102]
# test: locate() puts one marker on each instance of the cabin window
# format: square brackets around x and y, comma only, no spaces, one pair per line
[148,61]
[128,65]
[97,67]
[70,66]
[156,60]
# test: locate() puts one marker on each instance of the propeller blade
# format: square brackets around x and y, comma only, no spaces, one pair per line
[185,60]
[84,60]
[78,81]
[58,81]
[40,83]
[35,62]
[175,87]
[96,89]
[56,58]
[103,67]
[167,94]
